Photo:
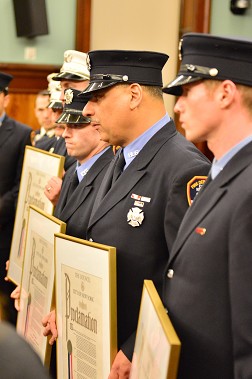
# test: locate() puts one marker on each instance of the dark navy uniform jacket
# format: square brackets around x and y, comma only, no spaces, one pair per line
[208,281]
[141,215]
[76,210]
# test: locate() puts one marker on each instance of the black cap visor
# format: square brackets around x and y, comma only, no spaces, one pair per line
[73,118]
[97,86]
[55,104]
[175,87]
[69,76]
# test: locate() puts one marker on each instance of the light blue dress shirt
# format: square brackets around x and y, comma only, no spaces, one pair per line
[1,118]
[217,166]
[133,149]
[82,169]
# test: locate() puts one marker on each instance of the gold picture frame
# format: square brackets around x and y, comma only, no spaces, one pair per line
[37,283]
[86,314]
[38,167]
[157,346]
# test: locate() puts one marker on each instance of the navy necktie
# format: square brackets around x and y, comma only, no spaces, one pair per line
[118,169]
[114,171]
[73,184]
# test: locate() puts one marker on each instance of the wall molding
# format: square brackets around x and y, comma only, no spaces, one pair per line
[28,78]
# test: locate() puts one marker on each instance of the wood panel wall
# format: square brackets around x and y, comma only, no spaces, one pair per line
[27,82]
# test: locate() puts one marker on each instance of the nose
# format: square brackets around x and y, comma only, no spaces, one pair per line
[178,105]
[48,112]
[88,110]
[66,131]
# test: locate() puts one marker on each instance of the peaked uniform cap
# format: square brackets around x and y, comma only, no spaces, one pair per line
[72,110]
[110,67]
[74,66]
[54,89]
[5,80]
[206,56]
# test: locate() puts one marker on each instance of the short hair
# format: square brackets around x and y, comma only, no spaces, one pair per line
[154,91]
[246,92]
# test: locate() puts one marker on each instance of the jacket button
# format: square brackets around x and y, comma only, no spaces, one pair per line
[170,274]
[91,240]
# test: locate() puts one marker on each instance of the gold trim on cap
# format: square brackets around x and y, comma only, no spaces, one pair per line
[213,71]
[180,49]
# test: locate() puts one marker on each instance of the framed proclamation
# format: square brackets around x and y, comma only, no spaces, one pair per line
[157,347]
[85,308]
[38,167]
[37,284]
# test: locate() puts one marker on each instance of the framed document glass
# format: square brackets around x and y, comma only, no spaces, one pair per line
[85,308]
[38,167]
[37,283]
[157,347]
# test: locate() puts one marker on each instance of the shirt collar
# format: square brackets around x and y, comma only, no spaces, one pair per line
[217,166]
[2,118]
[133,149]
[82,169]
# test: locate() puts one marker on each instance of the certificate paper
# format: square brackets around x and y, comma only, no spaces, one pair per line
[38,167]
[86,308]
[37,283]
[157,347]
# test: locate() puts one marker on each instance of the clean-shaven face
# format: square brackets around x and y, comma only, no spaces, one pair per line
[81,141]
[198,113]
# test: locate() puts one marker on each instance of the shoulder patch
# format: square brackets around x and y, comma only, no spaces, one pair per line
[193,187]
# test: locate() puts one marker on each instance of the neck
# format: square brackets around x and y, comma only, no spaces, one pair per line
[101,146]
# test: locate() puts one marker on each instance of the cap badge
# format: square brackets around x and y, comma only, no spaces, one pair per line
[88,62]
[190,67]
[213,72]
[135,216]
[68,96]
[180,49]
[68,57]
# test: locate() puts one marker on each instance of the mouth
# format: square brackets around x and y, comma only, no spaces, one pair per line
[182,123]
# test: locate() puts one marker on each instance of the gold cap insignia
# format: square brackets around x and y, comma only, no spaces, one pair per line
[88,62]
[68,96]
[68,57]
[180,49]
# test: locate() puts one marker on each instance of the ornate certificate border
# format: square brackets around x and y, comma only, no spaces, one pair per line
[157,347]
[85,307]
[38,167]
[37,284]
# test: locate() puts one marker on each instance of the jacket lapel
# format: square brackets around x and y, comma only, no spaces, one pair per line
[209,196]
[84,187]
[133,173]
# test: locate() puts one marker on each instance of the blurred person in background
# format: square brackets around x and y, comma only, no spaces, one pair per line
[44,136]
[14,137]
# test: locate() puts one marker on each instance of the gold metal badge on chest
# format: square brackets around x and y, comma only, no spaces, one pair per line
[135,216]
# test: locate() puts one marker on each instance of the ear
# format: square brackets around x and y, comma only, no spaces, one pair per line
[6,101]
[136,95]
[228,92]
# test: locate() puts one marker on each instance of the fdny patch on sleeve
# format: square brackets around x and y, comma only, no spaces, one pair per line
[193,187]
